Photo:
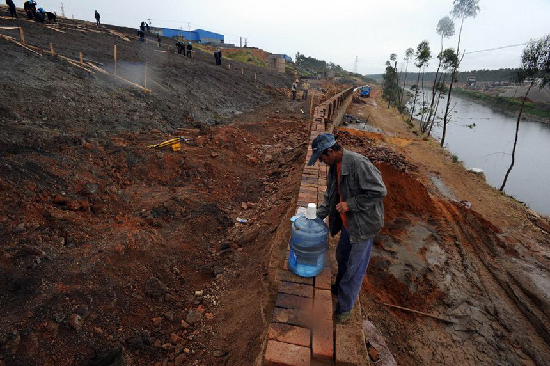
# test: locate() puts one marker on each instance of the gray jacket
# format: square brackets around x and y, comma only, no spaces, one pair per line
[362,189]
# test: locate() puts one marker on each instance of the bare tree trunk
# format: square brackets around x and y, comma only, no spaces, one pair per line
[453,76]
[439,92]
[415,95]
[515,139]
[404,82]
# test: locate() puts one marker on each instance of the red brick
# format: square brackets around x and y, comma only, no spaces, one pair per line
[290,334]
[294,302]
[348,340]
[286,354]
[291,277]
[323,279]
[323,341]
[322,306]
[297,289]
[292,316]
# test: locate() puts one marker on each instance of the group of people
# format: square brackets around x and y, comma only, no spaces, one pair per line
[305,89]
[182,47]
[29,6]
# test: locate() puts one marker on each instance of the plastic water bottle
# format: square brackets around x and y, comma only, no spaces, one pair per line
[308,244]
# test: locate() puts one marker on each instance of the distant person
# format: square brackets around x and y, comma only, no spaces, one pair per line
[52,17]
[40,15]
[97,18]
[147,27]
[219,52]
[189,48]
[159,40]
[142,26]
[11,6]
[294,88]
[305,90]
[181,47]
[141,35]
[30,8]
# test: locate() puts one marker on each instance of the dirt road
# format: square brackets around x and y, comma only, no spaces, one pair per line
[454,247]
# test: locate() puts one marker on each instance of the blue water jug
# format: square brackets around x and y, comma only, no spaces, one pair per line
[308,244]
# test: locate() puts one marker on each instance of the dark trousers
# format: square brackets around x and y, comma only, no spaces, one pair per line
[97,22]
[13,12]
[294,95]
[188,53]
[304,95]
[353,260]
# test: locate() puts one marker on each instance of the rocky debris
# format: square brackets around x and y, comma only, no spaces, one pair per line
[90,189]
[376,154]
[75,321]
[180,359]
[193,316]
[155,288]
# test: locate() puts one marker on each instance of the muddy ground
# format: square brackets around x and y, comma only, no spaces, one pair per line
[452,247]
[112,251]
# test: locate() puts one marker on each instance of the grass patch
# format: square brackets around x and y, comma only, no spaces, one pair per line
[509,104]
[246,57]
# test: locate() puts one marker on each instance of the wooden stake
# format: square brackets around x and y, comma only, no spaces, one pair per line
[145,77]
[254,76]
[115,60]
[421,313]
[51,48]
[229,66]
[22,35]
[81,58]
[242,71]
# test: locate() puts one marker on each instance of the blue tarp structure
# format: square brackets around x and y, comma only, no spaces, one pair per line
[198,35]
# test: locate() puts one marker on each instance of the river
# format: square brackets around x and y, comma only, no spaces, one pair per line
[488,145]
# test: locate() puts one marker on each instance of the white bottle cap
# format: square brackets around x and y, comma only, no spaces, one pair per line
[311,212]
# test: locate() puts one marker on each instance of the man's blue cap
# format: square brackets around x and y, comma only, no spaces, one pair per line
[320,144]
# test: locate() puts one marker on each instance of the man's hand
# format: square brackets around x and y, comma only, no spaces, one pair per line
[342,207]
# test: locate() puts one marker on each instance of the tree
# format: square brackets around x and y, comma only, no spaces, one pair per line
[445,28]
[389,82]
[535,66]
[422,56]
[393,58]
[408,55]
[462,9]
[447,60]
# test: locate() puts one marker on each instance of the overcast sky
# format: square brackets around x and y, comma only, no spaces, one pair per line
[337,31]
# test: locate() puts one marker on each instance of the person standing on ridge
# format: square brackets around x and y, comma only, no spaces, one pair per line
[141,35]
[294,88]
[353,203]
[97,17]
[11,5]
[305,89]
[159,40]
[189,48]
[218,55]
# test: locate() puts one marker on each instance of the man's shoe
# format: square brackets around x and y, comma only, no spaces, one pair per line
[343,317]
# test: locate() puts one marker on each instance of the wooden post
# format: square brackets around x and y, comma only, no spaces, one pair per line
[255,77]
[115,59]
[242,71]
[22,35]
[51,48]
[81,58]
[145,78]
[229,66]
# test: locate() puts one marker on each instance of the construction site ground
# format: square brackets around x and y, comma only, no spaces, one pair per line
[112,253]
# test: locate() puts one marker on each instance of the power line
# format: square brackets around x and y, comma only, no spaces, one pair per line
[497,48]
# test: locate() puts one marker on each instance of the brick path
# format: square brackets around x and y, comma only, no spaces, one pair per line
[302,331]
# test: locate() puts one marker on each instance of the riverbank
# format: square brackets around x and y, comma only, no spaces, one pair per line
[509,106]
[454,247]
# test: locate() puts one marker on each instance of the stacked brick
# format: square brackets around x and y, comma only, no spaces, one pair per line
[302,329]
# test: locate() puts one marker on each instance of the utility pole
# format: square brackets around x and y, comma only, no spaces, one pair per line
[355,64]
[149,21]
[241,42]
[245,42]
[62,11]
[189,26]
